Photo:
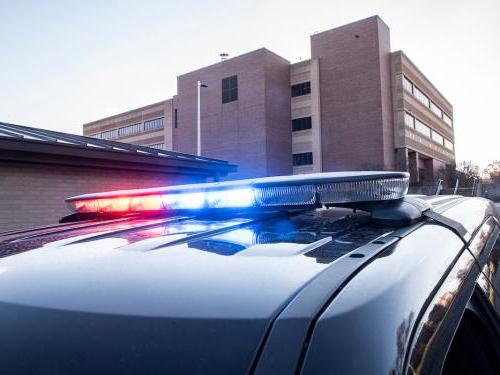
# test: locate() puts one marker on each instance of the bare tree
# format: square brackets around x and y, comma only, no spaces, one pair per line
[492,170]
[467,172]
[494,166]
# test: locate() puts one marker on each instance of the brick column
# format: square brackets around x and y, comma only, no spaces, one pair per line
[402,159]
[413,167]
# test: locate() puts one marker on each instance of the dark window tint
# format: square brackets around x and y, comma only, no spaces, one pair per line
[229,89]
[305,158]
[475,348]
[302,123]
[301,89]
[175,118]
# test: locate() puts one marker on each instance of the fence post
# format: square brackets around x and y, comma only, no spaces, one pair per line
[473,187]
[439,187]
[478,189]
[456,188]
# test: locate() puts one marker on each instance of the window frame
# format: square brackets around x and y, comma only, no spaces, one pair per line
[478,312]
[408,115]
[420,126]
[448,120]
[156,124]
[300,89]
[438,339]
[448,142]
[407,84]
[297,159]
[436,109]
[229,89]
[440,138]
[301,123]
[157,146]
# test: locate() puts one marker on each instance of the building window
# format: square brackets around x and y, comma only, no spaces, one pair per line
[110,134]
[175,118]
[436,137]
[302,123]
[427,131]
[424,99]
[158,146]
[437,111]
[447,119]
[301,89]
[153,124]
[229,89]
[130,129]
[448,144]
[408,86]
[422,128]
[421,97]
[409,120]
[305,158]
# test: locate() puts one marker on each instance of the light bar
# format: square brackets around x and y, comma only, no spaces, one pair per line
[286,192]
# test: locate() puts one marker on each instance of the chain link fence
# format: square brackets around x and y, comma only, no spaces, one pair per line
[490,191]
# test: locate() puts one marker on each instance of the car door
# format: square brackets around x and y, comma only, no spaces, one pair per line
[459,331]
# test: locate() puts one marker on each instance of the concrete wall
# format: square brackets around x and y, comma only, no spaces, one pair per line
[33,194]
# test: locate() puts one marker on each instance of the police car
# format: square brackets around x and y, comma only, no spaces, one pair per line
[332,273]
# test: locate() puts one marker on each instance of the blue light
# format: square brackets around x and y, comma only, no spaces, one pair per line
[231,198]
[186,201]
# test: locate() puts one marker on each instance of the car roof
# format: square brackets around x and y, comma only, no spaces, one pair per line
[215,252]
[301,242]
[249,268]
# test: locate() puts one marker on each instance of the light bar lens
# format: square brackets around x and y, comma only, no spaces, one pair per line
[288,192]
[231,198]
[286,196]
[187,201]
[146,203]
[363,191]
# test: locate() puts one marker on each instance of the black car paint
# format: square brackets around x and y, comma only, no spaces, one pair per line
[360,309]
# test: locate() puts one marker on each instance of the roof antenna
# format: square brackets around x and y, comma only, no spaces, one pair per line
[223,56]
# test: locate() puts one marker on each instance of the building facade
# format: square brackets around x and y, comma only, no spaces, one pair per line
[149,126]
[354,105]
[423,122]
[245,113]
[39,169]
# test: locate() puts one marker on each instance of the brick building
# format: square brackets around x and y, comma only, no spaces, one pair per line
[39,169]
[149,126]
[353,105]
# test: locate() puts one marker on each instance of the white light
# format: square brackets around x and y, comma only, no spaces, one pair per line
[183,201]
[231,198]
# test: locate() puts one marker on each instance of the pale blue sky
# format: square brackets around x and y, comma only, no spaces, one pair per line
[64,63]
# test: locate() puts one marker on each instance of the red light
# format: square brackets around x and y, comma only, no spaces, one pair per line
[85,206]
[114,204]
[146,203]
[118,204]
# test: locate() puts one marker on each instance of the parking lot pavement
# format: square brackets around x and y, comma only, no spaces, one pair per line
[497,205]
